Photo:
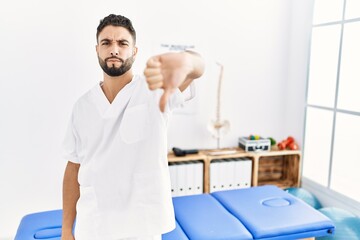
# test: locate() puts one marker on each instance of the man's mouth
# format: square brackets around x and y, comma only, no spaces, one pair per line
[113,60]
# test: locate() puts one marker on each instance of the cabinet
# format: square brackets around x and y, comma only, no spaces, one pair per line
[280,168]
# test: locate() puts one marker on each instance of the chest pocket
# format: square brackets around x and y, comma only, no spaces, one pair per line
[135,125]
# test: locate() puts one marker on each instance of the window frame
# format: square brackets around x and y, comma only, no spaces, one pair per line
[326,190]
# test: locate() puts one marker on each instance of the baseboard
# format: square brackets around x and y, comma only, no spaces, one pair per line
[330,198]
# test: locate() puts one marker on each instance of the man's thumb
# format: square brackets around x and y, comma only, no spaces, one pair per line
[164,99]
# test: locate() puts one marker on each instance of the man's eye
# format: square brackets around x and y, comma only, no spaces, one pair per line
[105,43]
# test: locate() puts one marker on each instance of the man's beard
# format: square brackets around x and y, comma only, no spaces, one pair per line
[116,71]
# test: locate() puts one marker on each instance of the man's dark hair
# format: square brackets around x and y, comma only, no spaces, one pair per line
[116,20]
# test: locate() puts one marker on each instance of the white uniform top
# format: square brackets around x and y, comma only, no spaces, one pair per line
[122,151]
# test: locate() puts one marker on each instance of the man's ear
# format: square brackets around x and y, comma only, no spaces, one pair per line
[97,49]
[135,50]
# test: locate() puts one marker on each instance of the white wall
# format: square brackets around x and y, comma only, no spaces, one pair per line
[47,59]
[251,40]
[298,58]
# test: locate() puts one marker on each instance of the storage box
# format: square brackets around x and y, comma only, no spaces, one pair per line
[248,145]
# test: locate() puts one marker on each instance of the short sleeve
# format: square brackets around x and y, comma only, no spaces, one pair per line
[70,143]
[176,100]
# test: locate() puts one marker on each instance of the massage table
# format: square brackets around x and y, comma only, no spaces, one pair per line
[265,212]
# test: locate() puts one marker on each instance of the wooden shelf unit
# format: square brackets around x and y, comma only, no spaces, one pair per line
[280,168]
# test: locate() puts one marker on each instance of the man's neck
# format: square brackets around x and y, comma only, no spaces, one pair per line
[113,85]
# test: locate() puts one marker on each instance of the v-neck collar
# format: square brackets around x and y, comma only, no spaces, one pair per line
[120,101]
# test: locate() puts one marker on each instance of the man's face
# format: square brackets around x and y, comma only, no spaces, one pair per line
[116,50]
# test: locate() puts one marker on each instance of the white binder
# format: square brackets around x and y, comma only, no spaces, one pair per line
[230,164]
[214,176]
[186,178]
[247,166]
[173,178]
[243,168]
[222,174]
[181,179]
[190,181]
[237,173]
[198,177]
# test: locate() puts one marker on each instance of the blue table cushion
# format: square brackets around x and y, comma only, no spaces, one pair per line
[48,233]
[272,213]
[47,225]
[176,234]
[202,217]
[42,225]
[266,213]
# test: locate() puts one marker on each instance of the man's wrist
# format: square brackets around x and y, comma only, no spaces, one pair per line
[197,64]
[67,229]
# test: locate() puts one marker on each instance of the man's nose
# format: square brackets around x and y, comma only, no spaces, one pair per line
[114,51]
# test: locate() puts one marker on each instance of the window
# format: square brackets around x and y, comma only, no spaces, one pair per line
[332,126]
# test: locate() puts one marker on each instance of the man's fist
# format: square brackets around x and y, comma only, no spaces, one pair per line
[170,71]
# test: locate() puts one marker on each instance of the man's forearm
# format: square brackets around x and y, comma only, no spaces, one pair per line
[198,69]
[71,194]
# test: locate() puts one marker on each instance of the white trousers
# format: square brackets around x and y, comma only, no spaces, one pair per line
[158,237]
